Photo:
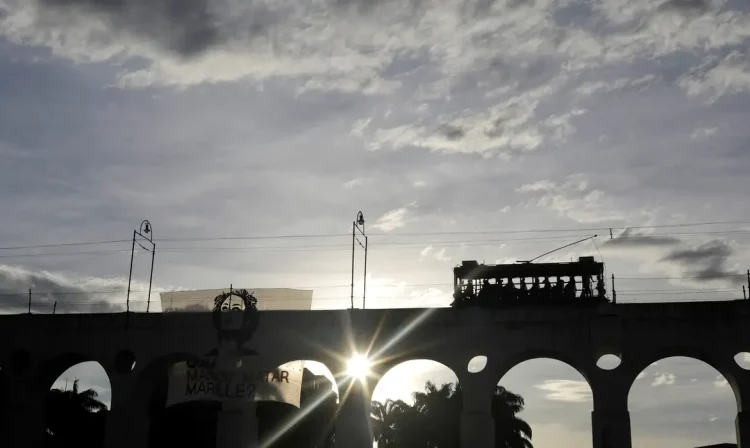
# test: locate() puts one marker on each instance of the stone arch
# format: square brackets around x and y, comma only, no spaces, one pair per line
[649,389]
[316,416]
[712,359]
[509,362]
[398,375]
[551,384]
[51,369]
[402,367]
[71,414]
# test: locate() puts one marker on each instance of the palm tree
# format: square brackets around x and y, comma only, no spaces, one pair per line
[510,431]
[74,417]
[434,419]
[386,418]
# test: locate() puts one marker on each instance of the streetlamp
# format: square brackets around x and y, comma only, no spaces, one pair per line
[360,221]
[145,229]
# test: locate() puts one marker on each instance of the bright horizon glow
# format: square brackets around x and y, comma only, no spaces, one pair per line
[358,366]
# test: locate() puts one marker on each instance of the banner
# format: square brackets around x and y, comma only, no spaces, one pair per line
[233,381]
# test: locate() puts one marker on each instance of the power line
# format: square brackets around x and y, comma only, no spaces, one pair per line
[385,245]
[86,243]
[333,235]
[713,277]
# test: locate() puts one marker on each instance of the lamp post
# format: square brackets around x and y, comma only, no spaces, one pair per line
[145,229]
[359,221]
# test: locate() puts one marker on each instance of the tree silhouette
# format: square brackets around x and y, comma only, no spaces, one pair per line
[74,417]
[433,421]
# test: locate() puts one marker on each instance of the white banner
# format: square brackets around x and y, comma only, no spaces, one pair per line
[228,381]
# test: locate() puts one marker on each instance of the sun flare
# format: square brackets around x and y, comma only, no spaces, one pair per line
[358,366]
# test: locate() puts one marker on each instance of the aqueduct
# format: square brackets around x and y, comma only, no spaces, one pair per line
[36,349]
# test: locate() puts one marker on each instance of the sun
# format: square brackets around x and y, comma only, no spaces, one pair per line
[358,366]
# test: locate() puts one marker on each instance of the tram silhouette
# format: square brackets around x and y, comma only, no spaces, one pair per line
[576,283]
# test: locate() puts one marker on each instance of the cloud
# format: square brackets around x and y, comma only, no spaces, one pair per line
[706,261]
[720,381]
[359,181]
[715,77]
[641,375]
[701,262]
[663,379]
[628,239]
[703,133]
[686,6]
[495,130]
[91,295]
[359,126]
[573,198]
[566,390]
[392,220]
[369,47]
[594,87]
[186,28]
[441,256]
[540,185]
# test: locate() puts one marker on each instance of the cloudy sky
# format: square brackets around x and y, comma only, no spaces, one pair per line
[461,128]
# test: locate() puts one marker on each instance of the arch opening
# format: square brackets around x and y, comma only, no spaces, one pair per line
[76,406]
[415,403]
[198,402]
[477,364]
[608,362]
[312,422]
[743,360]
[552,399]
[681,401]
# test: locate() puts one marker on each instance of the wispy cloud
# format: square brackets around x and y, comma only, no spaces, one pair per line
[566,390]
[720,381]
[663,379]
[392,220]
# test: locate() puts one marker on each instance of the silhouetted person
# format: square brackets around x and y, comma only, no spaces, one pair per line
[485,295]
[534,291]
[469,293]
[570,289]
[557,291]
[546,291]
[586,290]
[523,291]
[600,291]
[511,294]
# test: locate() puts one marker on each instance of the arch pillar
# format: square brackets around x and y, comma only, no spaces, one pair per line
[22,418]
[353,421]
[740,381]
[477,422]
[610,419]
[128,423]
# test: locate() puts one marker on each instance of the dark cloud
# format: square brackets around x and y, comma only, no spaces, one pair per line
[184,27]
[46,289]
[691,7]
[706,262]
[628,239]
[451,132]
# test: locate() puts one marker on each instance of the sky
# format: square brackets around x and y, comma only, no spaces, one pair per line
[461,130]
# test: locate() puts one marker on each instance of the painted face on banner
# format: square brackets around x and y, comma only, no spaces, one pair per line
[232,313]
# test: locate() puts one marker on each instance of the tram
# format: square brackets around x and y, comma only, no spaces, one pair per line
[575,283]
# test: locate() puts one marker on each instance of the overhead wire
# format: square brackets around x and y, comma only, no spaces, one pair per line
[398,235]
